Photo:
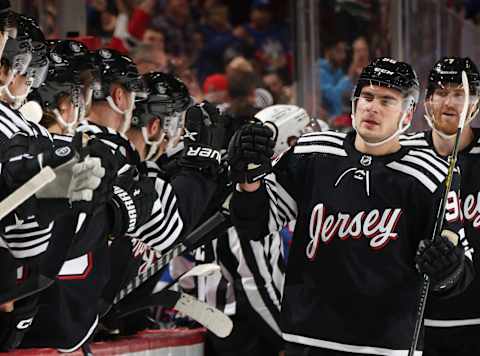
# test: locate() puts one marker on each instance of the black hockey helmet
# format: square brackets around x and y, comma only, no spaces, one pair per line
[37,69]
[64,76]
[7,18]
[167,96]
[449,70]
[18,50]
[390,73]
[114,67]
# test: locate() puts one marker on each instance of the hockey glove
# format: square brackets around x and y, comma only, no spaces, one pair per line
[132,202]
[204,137]
[93,178]
[249,153]
[15,324]
[17,170]
[441,260]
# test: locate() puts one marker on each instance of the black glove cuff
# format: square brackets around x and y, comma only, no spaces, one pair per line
[250,175]
[450,280]
[125,203]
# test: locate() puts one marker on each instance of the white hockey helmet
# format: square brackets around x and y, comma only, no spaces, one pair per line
[285,121]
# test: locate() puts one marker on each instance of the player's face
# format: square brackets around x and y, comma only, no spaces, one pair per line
[378,111]
[66,109]
[445,106]
[19,85]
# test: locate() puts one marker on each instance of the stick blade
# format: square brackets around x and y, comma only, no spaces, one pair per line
[210,317]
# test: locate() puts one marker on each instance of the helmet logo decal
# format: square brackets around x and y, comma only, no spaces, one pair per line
[75,47]
[105,53]
[55,57]
[161,88]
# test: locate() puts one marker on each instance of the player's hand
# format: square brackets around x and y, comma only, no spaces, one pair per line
[441,260]
[203,139]
[132,201]
[249,153]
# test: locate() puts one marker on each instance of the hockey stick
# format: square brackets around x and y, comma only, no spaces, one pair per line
[441,212]
[27,190]
[206,269]
[189,243]
[34,283]
[210,317]
[133,305]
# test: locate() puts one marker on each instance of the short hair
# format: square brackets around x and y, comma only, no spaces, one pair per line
[241,84]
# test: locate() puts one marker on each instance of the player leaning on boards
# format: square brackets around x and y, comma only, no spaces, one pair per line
[364,203]
[452,325]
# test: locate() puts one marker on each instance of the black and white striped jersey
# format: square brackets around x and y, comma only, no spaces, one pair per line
[251,279]
[25,234]
[165,225]
[462,310]
[351,283]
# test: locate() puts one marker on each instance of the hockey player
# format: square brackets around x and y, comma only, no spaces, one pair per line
[452,325]
[160,118]
[366,208]
[66,95]
[33,233]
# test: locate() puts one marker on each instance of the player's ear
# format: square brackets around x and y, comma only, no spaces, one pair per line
[154,128]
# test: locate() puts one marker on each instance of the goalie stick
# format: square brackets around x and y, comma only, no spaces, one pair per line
[190,242]
[441,213]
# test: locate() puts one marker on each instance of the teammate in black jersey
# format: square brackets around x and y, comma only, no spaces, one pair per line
[366,208]
[453,325]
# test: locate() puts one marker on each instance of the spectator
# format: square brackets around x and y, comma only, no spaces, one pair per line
[241,91]
[268,40]
[215,88]
[154,37]
[238,64]
[274,83]
[333,81]
[150,58]
[178,27]
[360,57]
[218,42]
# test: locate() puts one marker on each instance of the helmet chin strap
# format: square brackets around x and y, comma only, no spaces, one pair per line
[67,126]
[17,100]
[127,114]
[153,146]
[401,126]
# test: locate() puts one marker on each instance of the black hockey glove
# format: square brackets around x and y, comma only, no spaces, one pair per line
[132,201]
[15,324]
[204,137]
[17,170]
[249,153]
[93,178]
[441,260]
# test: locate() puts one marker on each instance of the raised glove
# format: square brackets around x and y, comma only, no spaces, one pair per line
[203,139]
[441,260]
[249,153]
[132,201]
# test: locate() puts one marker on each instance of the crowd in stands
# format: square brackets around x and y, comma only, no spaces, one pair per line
[199,40]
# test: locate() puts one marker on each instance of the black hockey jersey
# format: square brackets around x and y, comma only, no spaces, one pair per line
[351,284]
[464,309]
